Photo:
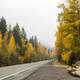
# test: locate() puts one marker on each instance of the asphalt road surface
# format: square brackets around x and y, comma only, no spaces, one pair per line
[19,72]
[51,72]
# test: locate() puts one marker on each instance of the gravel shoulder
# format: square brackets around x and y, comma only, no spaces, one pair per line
[51,72]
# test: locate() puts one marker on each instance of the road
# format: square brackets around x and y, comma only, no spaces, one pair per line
[42,70]
[19,72]
[51,72]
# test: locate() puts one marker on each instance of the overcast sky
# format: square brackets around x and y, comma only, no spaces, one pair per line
[38,17]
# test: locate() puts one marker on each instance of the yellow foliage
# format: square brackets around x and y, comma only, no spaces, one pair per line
[6,40]
[68,41]
[0,39]
[66,56]
[12,45]
[29,50]
[59,39]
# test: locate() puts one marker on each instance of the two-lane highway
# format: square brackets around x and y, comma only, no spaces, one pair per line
[19,72]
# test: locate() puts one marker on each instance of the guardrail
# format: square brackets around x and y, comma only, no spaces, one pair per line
[19,72]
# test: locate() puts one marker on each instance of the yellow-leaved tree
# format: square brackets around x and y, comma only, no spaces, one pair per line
[0,39]
[12,45]
[29,51]
[6,40]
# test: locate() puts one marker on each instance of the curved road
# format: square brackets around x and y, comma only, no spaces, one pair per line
[51,72]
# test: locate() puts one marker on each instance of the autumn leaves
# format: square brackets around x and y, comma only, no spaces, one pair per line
[16,48]
[68,35]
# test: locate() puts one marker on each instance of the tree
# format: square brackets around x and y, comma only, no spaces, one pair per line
[29,52]
[70,11]
[29,49]
[23,33]
[0,39]
[6,40]
[31,40]
[4,57]
[12,45]
[59,44]
[9,31]
[68,35]
[3,26]
[17,35]
[35,41]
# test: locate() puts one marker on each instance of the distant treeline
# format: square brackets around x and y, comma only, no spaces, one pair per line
[16,48]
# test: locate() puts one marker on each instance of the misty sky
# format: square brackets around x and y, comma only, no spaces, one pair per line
[38,17]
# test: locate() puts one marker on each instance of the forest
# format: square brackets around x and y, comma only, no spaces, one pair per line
[68,34]
[16,48]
